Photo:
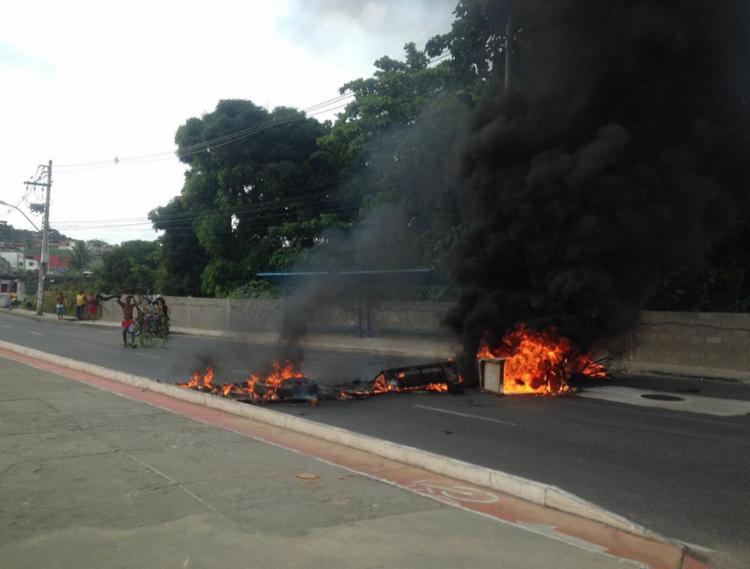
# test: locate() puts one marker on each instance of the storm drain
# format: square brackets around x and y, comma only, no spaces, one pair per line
[661,397]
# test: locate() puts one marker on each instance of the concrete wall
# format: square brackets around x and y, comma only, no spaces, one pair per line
[391,318]
[708,343]
[409,317]
[679,342]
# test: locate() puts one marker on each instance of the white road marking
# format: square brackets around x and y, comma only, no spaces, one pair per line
[36,333]
[688,403]
[466,415]
[147,355]
[6,326]
[455,495]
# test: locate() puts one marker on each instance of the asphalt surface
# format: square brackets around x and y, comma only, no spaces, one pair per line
[684,475]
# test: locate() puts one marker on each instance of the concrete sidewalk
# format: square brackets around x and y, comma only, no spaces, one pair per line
[91,479]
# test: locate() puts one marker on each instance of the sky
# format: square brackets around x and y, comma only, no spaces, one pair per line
[101,87]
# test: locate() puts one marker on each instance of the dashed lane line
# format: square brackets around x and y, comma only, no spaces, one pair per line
[153,357]
[466,415]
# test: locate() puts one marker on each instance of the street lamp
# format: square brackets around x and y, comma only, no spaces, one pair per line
[19,210]
[41,257]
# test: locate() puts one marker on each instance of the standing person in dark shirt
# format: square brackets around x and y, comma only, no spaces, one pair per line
[128,320]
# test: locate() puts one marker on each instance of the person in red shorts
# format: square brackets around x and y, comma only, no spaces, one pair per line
[92,303]
[128,320]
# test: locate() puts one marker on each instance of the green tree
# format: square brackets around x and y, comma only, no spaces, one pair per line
[477,42]
[182,259]
[129,268]
[396,144]
[81,258]
[239,187]
[394,97]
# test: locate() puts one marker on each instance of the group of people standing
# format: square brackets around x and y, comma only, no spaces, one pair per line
[144,315]
[86,305]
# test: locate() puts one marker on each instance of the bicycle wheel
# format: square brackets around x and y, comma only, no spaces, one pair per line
[146,339]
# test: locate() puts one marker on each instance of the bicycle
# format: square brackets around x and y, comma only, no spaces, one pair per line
[150,327]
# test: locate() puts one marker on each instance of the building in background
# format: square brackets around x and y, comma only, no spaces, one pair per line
[57,265]
[14,257]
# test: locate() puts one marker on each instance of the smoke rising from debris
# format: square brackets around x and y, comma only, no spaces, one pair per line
[624,153]
[373,243]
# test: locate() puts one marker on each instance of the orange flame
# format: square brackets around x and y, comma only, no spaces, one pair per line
[267,388]
[258,387]
[540,363]
[201,382]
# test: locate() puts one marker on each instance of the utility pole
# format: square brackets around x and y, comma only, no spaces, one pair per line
[44,255]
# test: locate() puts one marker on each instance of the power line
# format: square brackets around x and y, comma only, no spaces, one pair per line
[323,107]
[260,205]
[185,229]
[272,211]
[278,210]
[248,211]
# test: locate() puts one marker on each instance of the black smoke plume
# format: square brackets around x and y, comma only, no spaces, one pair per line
[623,151]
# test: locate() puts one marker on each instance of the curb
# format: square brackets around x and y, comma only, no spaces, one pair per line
[538,493]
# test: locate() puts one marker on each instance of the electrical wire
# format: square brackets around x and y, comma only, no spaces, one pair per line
[273,211]
[268,217]
[289,201]
[323,107]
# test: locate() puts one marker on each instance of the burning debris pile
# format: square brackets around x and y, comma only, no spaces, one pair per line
[286,383]
[537,363]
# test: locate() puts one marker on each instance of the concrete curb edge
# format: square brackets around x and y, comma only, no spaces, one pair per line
[529,490]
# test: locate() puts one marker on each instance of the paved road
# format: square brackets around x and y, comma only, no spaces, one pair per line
[683,474]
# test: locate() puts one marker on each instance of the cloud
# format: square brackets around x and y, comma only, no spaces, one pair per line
[383,25]
[13,57]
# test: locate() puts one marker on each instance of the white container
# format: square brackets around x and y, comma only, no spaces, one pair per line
[491,371]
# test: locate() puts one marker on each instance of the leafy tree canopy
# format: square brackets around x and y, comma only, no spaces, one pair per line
[249,170]
[129,268]
[81,257]
[477,41]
